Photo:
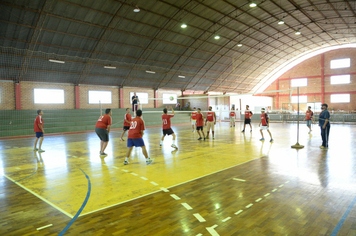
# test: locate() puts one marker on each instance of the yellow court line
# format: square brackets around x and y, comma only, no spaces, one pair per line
[43,199]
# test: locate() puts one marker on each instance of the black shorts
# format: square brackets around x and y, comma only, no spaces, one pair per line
[200,128]
[247,121]
[168,132]
[102,134]
[126,128]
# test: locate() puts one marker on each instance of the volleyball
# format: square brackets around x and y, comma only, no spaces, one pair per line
[171,98]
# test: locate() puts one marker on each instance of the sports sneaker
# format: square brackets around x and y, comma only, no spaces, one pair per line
[251,130]
[160,144]
[271,140]
[204,138]
[207,137]
[149,161]
[230,126]
[41,150]
[262,139]
[121,139]
[103,154]
[174,146]
[321,147]
[243,131]
[35,149]
[126,162]
[200,138]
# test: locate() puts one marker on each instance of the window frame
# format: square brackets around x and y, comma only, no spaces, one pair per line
[55,103]
[93,103]
[333,68]
[138,94]
[301,79]
[304,96]
[331,78]
[331,98]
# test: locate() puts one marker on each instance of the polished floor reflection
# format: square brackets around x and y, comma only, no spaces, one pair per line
[205,187]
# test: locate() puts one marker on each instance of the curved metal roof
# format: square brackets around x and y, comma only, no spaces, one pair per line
[89,35]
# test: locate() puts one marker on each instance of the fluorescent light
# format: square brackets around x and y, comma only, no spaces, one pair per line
[298,32]
[183,26]
[109,67]
[252,4]
[151,72]
[281,22]
[239,45]
[181,76]
[217,37]
[56,61]
[136,9]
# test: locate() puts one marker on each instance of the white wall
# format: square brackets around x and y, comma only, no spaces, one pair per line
[255,102]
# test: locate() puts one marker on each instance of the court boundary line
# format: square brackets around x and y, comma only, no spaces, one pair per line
[40,197]
[343,218]
[87,213]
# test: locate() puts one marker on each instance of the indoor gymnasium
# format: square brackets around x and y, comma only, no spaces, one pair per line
[177,117]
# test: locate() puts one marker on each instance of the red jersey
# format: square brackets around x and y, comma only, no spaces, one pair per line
[127,117]
[264,119]
[248,114]
[232,114]
[309,115]
[194,115]
[136,126]
[210,116]
[103,122]
[166,121]
[200,120]
[38,121]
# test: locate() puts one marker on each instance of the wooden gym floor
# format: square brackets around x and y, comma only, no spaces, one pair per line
[233,185]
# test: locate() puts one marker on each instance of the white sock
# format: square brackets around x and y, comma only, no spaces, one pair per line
[161,142]
[174,142]
[126,159]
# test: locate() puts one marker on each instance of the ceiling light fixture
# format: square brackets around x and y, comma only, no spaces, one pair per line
[183,26]
[109,67]
[181,76]
[136,9]
[239,45]
[150,72]
[56,61]
[217,37]
[281,22]
[252,4]
[298,33]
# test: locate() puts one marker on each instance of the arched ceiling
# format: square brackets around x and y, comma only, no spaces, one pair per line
[89,35]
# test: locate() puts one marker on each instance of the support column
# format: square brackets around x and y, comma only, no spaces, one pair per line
[208,102]
[277,96]
[156,100]
[121,94]
[18,96]
[322,79]
[76,94]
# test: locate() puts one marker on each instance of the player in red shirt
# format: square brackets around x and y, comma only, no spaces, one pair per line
[248,115]
[193,118]
[127,120]
[232,117]
[38,128]
[211,121]
[265,124]
[309,116]
[102,129]
[200,124]
[167,130]
[134,138]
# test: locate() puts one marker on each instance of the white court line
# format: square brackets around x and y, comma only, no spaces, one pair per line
[43,227]
[81,158]
[104,164]
[274,190]
[154,183]
[43,199]
[226,219]
[74,156]
[164,190]
[124,170]
[115,167]
[249,205]
[143,178]
[242,180]
[212,231]
[199,235]
[238,212]
[287,182]
[199,217]
[17,168]
[134,174]
[281,185]
[267,194]
[175,197]
[258,199]
[186,205]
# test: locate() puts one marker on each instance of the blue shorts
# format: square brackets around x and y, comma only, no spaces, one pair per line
[138,142]
[39,134]
[308,122]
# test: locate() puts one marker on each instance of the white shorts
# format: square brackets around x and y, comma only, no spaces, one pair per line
[232,119]
[194,122]
[264,127]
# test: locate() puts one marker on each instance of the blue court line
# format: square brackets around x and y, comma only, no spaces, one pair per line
[27,176]
[343,218]
[81,208]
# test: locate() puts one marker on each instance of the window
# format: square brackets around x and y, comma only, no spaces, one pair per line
[340,98]
[142,97]
[302,99]
[340,63]
[169,98]
[49,96]
[96,97]
[315,106]
[340,79]
[299,82]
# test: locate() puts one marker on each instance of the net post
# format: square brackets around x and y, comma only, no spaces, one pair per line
[297,145]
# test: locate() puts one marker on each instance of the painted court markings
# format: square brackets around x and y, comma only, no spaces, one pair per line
[199,217]
[186,205]
[43,227]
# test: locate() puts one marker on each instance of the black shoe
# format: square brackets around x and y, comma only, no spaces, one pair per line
[243,131]
[200,138]
[204,139]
